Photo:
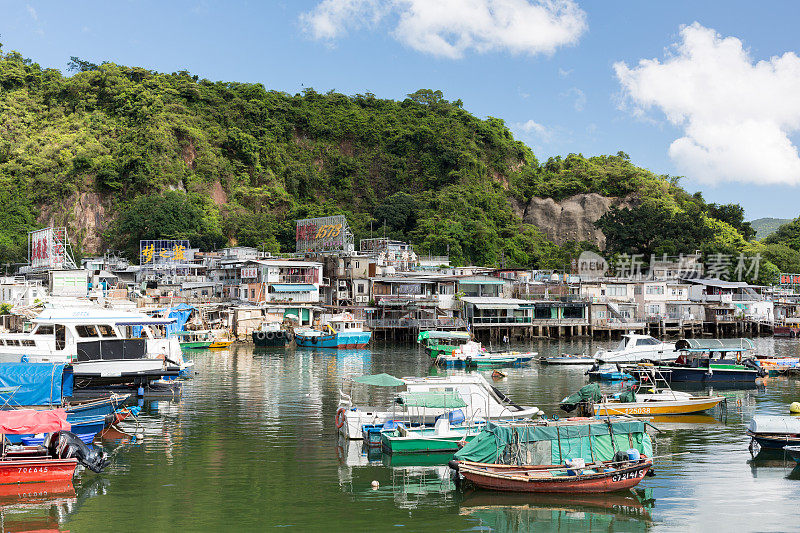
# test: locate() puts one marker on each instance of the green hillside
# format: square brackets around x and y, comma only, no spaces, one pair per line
[122,153]
[767,226]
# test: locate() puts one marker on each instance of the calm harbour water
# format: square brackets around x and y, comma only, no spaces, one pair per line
[252,445]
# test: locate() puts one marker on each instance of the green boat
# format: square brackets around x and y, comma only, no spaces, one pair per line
[442,342]
[438,439]
[195,340]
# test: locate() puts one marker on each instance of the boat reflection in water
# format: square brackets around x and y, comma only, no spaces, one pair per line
[618,511]
[411,485]
[773,464]
[44,506]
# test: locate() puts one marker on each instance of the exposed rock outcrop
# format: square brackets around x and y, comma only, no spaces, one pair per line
[571,219]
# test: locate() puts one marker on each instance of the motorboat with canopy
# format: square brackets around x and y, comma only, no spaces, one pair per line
[483,402]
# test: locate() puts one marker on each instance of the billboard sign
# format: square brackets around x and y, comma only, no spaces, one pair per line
[48,248]
[326,234]
[249,272]
[790,279]
[162,252]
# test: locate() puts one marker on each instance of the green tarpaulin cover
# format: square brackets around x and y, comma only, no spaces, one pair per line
[379,380]
[553,444]
[588,393]
[433,400]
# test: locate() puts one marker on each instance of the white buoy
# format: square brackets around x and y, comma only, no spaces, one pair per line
[375,485]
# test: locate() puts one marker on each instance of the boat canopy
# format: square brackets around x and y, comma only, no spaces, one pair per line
[715,345]
[433,399]
[774,424]
[179,313]
[380,380]
[31,421]
[425,335]
[554,443]
[29,384]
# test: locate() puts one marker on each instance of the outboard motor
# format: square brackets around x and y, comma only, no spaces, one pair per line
[65,444]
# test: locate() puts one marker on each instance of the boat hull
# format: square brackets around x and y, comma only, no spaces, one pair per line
[680,407]
[271,338]
[344,340]
[36,470]
[483,361]
[539,479]
[775,441]
[200,345]
[702,375]
[397,445]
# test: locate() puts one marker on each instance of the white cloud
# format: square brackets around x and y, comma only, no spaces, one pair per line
[563,73]
[736,114]
[580,98]
[331,18]
[32,12]
[533,127]
[450,28]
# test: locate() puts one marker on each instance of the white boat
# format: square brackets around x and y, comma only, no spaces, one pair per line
[634,348]
[483,402]
[104,344]
[568,359]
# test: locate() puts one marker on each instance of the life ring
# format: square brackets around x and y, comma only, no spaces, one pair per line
[270,335]
[260,335]
[340,417]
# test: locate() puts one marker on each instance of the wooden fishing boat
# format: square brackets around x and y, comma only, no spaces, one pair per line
[605,476]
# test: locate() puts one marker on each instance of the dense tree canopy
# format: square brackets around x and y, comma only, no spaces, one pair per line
[174,155]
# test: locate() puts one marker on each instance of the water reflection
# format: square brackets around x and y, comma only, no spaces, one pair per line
[251,444]
[621,511]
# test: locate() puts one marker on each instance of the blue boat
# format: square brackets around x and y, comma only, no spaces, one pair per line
[103,406]
[87,438]
[341,331]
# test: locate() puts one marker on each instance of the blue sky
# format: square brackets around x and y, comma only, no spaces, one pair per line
[564,75]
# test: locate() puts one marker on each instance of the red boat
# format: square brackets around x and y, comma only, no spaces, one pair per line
[53,462]
[595,477]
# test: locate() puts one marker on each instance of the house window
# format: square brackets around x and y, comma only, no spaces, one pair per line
[252,294]
[617,290]
[655,289]
[653,309]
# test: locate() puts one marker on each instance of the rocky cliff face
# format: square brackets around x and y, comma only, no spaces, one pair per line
[571,219]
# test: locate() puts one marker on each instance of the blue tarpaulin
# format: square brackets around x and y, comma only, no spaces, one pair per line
[29,384]
[180,313]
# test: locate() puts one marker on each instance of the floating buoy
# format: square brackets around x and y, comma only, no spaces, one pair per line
[794,407]
[375,485]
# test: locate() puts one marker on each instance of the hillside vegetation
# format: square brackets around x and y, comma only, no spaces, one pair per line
[149,155]
[767,226]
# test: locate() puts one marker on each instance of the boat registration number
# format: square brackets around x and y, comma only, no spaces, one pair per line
[31,469]
[638,410]
[627,475]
